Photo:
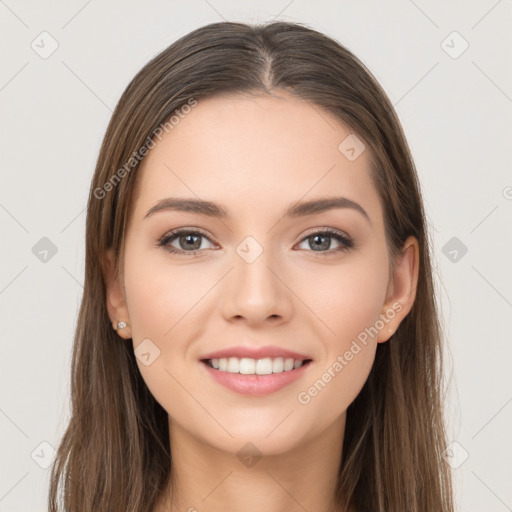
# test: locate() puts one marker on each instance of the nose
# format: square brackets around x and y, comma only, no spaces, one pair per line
[256,292]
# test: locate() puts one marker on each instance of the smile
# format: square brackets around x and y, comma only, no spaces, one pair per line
[260,378]
[249,366]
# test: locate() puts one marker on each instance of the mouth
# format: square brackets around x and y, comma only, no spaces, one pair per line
[255,377]
[250,366]
[255,371]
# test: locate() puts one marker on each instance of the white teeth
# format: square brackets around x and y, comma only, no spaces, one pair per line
[248,366]
[277,365]
[233,365]
[264,366]
[288,365]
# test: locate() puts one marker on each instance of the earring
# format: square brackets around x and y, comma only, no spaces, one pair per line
[120,325]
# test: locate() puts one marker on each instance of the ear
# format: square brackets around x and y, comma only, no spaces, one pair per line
[401,289]
[116,301]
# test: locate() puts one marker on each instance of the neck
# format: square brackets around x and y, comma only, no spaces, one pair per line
[204,478]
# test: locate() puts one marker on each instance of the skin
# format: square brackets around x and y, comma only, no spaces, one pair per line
[256,156]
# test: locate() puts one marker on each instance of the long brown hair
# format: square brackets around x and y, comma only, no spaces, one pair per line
[115,452]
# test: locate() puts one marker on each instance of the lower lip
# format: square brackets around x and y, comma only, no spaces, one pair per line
[256,385]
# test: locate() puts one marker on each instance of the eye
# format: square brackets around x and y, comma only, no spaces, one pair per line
[321,241]
[188,241]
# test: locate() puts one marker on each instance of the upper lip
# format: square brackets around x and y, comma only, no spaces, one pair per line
[256,353]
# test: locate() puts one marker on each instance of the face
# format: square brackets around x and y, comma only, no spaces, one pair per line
[312,286]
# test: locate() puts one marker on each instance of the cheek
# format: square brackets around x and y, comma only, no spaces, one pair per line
[160,295]
[350,304]
[162,300]
[166,304]
[346,299]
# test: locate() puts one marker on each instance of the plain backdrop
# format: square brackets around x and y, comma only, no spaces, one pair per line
[446,67]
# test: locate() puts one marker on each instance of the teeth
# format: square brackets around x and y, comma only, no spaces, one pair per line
[288,365]
[248,366]
[233,365]
[263,366]
[277,365]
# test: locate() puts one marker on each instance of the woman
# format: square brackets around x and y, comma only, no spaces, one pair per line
[258,329]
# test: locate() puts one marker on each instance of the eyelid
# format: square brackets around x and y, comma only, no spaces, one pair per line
[326,229]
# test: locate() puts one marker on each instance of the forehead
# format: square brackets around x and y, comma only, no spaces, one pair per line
[249,152]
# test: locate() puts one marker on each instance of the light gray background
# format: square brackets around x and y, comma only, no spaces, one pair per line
[456,113]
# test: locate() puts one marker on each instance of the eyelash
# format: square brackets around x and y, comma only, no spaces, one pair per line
[345,241]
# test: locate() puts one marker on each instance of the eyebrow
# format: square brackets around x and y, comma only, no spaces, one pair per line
[211,209]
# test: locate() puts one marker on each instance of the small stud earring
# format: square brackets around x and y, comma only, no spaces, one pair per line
[121,325]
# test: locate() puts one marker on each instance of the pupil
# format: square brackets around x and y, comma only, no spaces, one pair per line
[190,240]
[320,245]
